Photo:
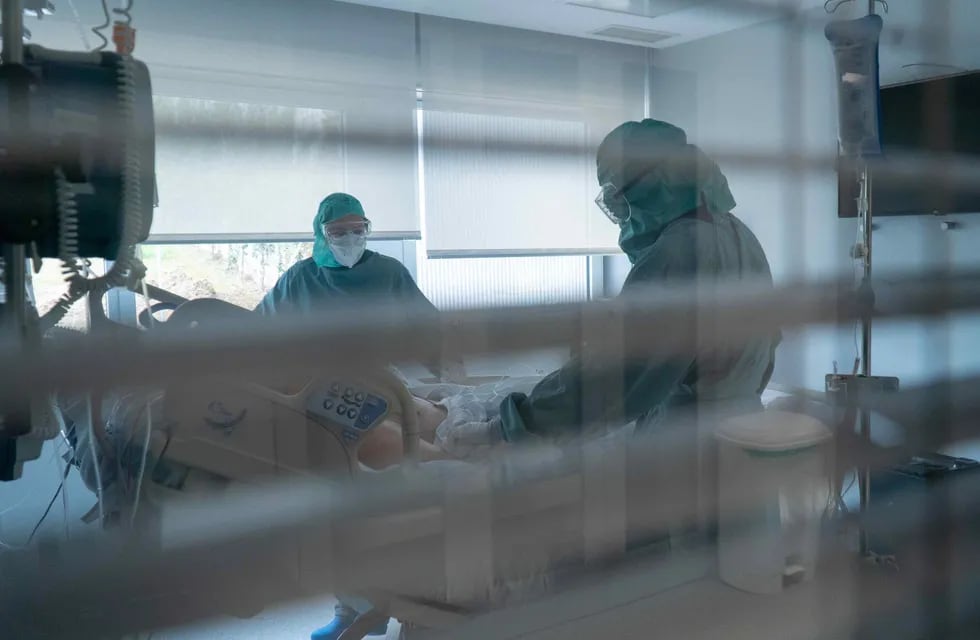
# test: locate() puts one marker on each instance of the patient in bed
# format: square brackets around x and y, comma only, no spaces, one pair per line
[383,445]
[442,411]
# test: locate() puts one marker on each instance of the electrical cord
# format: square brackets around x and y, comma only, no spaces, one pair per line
[7,510]
[6,545]
[54,499]
[124,11]
[94,451]
[63,431]
[97,30]
[146,295]
[63,465]
[142,469]
[78,23]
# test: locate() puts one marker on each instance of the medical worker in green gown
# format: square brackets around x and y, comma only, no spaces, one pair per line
[342,267]
[341,272]
[673,208]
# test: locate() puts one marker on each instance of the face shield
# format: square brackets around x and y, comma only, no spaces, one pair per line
[338,230]
[347,239]
[614,204]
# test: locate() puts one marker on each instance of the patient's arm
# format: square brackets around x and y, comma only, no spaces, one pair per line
[383,446]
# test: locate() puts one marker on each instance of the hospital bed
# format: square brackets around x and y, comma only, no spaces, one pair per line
[583,508]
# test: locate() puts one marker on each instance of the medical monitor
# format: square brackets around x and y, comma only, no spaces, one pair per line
[935,120]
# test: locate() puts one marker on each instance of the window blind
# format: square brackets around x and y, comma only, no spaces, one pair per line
[512,120]
[266,109]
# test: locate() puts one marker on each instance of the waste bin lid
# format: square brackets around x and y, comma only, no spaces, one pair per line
[773,431]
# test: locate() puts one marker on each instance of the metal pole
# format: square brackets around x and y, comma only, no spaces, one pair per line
[13,31]
[12,14]
[15,282]
[864,476]
[13,312]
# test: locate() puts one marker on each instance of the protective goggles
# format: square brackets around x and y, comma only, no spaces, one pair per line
[614,204]
[337,230]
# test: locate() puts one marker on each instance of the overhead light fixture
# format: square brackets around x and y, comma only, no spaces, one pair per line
[632,34]
[640,8]
[658,8]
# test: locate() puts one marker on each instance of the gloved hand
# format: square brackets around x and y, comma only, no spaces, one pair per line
[471,439]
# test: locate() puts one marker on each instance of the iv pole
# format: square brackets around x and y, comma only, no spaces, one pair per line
[867,294]
[863,251]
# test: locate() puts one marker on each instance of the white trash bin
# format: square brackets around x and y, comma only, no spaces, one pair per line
[774,487]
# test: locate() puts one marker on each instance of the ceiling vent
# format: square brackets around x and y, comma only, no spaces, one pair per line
[632,34]
[639,8]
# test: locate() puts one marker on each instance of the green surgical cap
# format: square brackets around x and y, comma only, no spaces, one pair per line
[662,176]
[334,207]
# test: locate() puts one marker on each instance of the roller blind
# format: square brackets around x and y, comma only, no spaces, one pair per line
[511,121]
[499,282]
[255,165]
[266,109]
[492,199]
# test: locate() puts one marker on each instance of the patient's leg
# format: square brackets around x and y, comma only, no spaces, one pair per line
[383,446]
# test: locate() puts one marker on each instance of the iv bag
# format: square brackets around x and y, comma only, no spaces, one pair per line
[855,47]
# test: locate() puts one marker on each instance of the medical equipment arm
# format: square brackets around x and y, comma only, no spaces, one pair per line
[77,177]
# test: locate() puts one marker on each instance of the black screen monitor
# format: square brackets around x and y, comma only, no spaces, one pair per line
[932,120]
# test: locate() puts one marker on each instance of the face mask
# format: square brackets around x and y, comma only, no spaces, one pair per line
[612,202]
[348,249]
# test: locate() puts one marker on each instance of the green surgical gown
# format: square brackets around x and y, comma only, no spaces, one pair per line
[680,229]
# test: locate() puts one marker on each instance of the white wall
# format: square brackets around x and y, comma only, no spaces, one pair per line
[769,89]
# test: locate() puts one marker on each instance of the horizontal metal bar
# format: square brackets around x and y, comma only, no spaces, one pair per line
[158,294]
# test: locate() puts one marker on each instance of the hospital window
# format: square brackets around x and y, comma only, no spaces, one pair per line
[49,286]
[239,273]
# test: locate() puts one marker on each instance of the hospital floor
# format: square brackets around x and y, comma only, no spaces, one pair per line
[290,622]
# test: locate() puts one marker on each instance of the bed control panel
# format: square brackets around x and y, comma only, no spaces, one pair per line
[348,406]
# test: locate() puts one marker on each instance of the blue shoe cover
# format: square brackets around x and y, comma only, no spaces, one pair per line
[338,625]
